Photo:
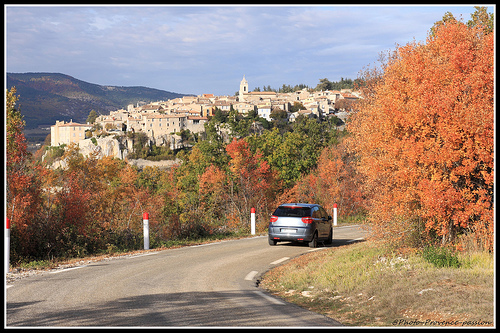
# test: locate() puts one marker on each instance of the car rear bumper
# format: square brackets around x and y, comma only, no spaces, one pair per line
[280,233]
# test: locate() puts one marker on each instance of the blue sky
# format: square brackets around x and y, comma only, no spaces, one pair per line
[208,49]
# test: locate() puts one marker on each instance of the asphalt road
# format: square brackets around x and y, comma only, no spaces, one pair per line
[206,285]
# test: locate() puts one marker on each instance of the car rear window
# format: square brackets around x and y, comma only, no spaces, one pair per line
[292,211]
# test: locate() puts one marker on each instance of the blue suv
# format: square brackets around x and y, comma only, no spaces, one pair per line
[299,222]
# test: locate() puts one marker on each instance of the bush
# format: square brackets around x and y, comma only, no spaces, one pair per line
[53,153]
[440,257]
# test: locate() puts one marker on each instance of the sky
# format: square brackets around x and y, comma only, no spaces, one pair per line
[207,49]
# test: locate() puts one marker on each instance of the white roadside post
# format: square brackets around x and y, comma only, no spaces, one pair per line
[335,214]
[252,221]
[334,219]
[7,244]
[145,218]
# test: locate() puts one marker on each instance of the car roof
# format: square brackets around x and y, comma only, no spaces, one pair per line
[298,204]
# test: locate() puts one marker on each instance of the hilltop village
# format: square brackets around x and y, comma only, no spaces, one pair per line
[162,121]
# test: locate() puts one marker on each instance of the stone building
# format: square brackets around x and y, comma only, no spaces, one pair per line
[66,133]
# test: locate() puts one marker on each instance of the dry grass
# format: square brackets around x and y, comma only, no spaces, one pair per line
[363,285]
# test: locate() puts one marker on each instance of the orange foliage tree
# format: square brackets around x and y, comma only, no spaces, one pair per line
[424,136]
[251,182]
[213,192]
[23,188]
[334,181]
[338,181]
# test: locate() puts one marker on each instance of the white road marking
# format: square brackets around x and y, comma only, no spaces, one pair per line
[66,269]
[316,249]
[142,255]
[251,275]
[207,244]
[347,226]
[269,298]
[279,260]
[353,240]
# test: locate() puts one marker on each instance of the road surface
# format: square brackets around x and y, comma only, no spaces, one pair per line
[205,285]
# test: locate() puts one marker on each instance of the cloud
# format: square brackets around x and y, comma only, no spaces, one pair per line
[199,49]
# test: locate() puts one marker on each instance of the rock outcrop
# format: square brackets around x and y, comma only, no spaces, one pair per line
[105,146]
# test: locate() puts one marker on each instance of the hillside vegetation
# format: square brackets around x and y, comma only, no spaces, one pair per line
[47,97]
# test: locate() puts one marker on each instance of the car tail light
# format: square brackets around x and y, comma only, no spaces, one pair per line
[273,218]
[307,219]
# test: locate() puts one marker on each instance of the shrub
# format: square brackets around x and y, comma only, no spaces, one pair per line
[440,257]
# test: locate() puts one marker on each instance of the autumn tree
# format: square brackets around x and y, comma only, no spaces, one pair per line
[335,180]
[214,195]
[338,181]
[251,182]
[17,152]
[424,136]
[23,188]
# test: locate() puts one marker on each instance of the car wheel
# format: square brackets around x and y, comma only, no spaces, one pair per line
[314,241]
[272,242]
[330,236]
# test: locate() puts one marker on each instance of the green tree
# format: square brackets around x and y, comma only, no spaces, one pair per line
[324,84]
[213,148]
[280,119]
[481,18]
[297,106]
[92,117]
[293,153]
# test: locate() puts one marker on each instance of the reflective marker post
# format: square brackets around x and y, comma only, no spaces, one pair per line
[334,220]
[335,214]
[252,221]
[7,244]
[145,218]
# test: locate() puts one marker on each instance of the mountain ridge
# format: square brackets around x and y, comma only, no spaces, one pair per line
[46,97]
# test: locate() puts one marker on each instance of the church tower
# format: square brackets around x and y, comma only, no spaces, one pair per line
[243,88]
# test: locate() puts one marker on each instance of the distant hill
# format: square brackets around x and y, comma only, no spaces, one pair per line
[47,97]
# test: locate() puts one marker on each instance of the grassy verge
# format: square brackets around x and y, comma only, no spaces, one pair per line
[362,285]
